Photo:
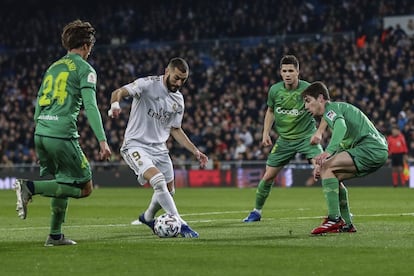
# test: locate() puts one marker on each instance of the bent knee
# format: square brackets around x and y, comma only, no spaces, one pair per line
[158,182]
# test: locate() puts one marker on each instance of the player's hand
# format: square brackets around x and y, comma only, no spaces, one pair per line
[105,151]
[202,158]
[321,158]
[316,139]
[316,172]
[266,141]
[115,110]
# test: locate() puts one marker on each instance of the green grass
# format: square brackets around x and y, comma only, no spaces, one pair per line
[278,245]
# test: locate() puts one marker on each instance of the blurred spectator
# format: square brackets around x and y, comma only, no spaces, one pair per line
[230,77]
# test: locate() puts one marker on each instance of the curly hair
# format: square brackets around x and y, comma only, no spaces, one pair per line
[77,33]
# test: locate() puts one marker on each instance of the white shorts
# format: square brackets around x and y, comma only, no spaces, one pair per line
[141,158]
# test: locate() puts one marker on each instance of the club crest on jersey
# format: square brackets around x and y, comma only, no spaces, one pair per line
[331,115]
[92,78]
[177,108]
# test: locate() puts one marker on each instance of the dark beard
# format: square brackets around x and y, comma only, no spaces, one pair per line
[169,87]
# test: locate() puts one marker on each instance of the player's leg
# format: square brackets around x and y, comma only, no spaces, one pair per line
[367,158]
[162,195]
[164,164]
[141,161]
[161,198]
[265,186]
[370,155]
[165,200]
[56,237]
[153,207]
[344,209]
[65,160]
[282,152]
[62,159]
[138,160]
[262,193]
[341,161]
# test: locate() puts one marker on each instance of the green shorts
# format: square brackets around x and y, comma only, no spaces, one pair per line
[369,155]
[63,159]
[285,150]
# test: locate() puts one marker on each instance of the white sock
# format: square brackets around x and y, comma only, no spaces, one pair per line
[258,210]
[153,208]
[163,196]
[167,202]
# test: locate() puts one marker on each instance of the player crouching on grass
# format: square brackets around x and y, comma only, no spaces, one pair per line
[356,149]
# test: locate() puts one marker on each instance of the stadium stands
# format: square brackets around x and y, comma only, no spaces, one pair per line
[233,48]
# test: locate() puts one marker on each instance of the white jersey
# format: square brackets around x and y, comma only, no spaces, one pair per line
[154,111]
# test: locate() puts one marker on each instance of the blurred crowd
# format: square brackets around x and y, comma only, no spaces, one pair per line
[227,90]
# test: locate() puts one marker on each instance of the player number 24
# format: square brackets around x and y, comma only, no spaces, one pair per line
[57,86]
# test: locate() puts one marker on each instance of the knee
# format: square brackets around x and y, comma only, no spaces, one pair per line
[87,189]
[325,169]
[269,175]
[158,182]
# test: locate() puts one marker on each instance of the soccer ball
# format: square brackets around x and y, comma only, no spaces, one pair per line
[167,226]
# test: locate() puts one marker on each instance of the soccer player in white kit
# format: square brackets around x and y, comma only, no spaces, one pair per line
[156,113]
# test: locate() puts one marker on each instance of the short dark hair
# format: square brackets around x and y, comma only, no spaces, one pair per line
[315,89]
[77,33]
[289,59]
[179,63]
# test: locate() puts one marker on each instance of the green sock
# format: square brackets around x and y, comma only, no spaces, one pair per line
[58,207]
[51,188]
[330,188]
[344,205]
[262,192]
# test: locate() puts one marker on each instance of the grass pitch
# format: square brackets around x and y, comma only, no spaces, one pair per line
[280,244]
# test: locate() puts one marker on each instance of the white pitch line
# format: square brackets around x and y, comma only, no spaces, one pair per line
[370,215]
[215,213]
[195,221]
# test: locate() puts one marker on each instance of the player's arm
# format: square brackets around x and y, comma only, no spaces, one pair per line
[37,110]
[338,134]
[182,138]
[267,127]
[95,120]
[116,96]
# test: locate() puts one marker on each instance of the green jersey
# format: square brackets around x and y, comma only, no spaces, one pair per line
[292,121]
[68,83]
[350,126]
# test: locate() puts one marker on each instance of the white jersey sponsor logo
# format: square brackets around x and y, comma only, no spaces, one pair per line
[154,111]
[293,112]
